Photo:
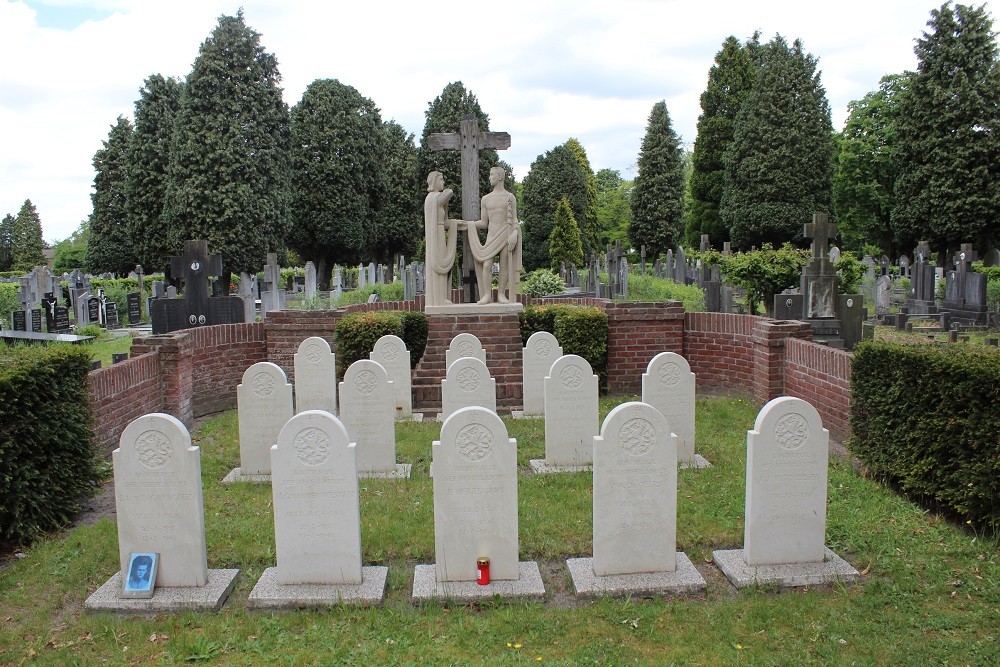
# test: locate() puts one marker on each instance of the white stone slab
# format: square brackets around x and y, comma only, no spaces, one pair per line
[542,467]
[390,351]
[831,569]
[570,412]
[210,597]
[475,496]
[540,352]
[528,585]
[474,309]
[367,409]
[315,376]
[236,476]
[269,593]
[467,384]
[264,403]
[635,492]
[317,508]
[464,345]
[685,580]
[699,462]
[669,386]
[787,456]
[158,499]
[401,471]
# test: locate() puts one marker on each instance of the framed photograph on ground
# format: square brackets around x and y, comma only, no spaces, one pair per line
[140,579]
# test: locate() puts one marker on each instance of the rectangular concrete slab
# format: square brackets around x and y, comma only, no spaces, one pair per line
[527,586]
[209,597]
[402,471]
[832,569]
[237,475]
[542,467]
[269,594]
[699,462]
[686,580]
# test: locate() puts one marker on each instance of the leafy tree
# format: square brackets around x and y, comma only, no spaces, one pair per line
[148,161]
[614,214]
[338,175]
[948,134]
[589,231]
[552,176]
[71,253]
[564,241]
[850,271]
[729,83]
[26,239]
[7,242]
[865,171]
[779,165]
[109,247]
[764,273]
[228,179]
[658,194]
[401,228]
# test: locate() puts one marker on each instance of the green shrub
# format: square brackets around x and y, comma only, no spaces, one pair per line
[8,303]
[542,282]
[850,271]
[357,333]
[925,417]
[48,460]
[580,330]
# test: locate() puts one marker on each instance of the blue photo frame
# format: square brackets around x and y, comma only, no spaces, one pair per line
[139,579]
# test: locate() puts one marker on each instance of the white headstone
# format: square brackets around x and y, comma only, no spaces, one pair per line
[475,497]
[540,352]
[635,493]
[464,345]
[467,383]
[367,409]
[668,385]
[570,412]
[158,499]
[264,403]
[391,352]
[787,455]
[310,285]
[317,511]
[315,376]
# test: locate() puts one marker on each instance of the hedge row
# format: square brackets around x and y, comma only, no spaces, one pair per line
[580,330]
[926,417]
[48,460]
[357,333]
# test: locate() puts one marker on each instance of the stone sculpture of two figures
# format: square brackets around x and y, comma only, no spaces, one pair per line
[503,238]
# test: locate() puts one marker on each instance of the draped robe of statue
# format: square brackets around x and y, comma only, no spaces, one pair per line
[440,248]
[503,237]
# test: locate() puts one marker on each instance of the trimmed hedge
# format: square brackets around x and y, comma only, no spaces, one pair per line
[48,459]
[927,417]
[357,333]
[580,330]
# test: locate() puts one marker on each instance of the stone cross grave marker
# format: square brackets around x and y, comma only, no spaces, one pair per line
[464,345]
[272,297]
[367,409]
[669,386]
[264,404]
[310,286]
[197,308]
[467,383]
[819,277]
[315,376]
[390,351]
[540,352]
[469,140]
[570,412]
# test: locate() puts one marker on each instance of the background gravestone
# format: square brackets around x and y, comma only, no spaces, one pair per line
[367,410]
[464,345]
[540,352]
[196,308]
[315,376]
[390,351]
[570,412]
[467,383]
[264,405]
[669,386]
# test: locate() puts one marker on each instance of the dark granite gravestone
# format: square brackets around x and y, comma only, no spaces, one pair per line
[134,306]
[788,306]
[36,320]
[111,315]
[61,320]
[196,308]
[851,312]
[19,320]
[94,310]
[965,290]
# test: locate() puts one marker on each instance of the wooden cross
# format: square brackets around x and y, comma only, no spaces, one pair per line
[820,231]
[469,140]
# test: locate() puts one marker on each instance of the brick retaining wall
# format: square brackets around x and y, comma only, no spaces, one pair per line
[122,393]
[822,376]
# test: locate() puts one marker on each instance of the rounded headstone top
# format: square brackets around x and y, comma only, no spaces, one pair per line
[263,377]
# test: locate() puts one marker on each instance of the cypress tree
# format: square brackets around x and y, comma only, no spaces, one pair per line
[658,193]
[779,166]
[228,179]
[109,247]
[949,134]
[26,239]
[148,159]
[552,176]
[564,241]
[401,230]
[7,242]
[589,232]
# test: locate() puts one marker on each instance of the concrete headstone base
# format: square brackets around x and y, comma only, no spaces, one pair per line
[528,585]
[833,569]
[402,471]
[699,462]
[269,594]
[236,476]
[209,597]
[543,467]
[685,580]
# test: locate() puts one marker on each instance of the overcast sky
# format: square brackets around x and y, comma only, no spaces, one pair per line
[543,71]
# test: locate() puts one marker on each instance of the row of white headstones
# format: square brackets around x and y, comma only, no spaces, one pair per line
[315,459]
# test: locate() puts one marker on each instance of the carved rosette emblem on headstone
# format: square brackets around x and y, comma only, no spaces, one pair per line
[466,349]
[153,450]
[571,376]
[365,381]
[543,348]
[313,353]
[262,384]
[637,436]
[670,374]
[389,351]
[468,379]
[475,442]
[791,431]
[311,446]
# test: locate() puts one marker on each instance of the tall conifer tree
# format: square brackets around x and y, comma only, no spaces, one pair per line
[564,241]
[7,242]
[401,230]
[109,247]
[658,194]
[26,239]
[589,232]
[552,176]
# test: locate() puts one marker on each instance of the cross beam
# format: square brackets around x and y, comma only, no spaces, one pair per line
[820,231]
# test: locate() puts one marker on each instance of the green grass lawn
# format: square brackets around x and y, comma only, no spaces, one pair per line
[930,594]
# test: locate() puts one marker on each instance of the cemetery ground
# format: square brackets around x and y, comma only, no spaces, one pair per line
[929,591]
